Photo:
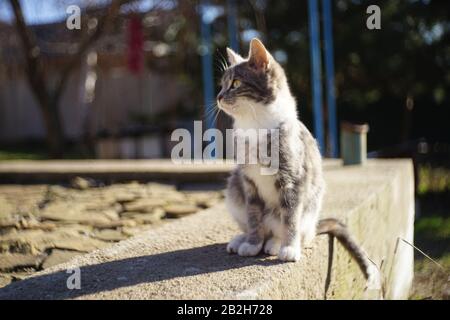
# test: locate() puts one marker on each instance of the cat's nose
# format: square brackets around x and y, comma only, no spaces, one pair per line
[220,96]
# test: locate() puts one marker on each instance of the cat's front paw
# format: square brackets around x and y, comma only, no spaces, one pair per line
[235,243]
[272,246]
[247,249]
[290,253]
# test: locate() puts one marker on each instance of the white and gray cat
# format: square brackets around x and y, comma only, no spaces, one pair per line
[277,213]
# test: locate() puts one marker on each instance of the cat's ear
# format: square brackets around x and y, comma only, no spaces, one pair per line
[233,57]
[258,56]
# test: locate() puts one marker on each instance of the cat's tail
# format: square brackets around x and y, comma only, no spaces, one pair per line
[339,230]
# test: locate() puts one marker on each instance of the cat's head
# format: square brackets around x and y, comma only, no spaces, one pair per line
[250,85]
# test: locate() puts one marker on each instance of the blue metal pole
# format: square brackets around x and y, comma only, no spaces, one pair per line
[232,25]
[207,67]
[314,31]
[329,70]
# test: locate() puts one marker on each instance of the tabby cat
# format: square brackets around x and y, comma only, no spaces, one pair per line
[277,213]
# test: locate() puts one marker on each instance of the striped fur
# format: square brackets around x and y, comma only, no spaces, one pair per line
[339,230]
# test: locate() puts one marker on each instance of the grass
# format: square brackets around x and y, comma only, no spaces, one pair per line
[432,234]
[430,282]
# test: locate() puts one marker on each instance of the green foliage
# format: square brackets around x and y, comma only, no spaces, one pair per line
[23,153]
[433,226]
[376,70]
[432,233]
[433,180]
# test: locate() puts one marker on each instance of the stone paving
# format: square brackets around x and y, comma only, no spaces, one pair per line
[44,225]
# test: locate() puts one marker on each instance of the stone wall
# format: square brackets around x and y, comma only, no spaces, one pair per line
[186,259]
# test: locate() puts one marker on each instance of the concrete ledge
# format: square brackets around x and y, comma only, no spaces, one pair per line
[56,171]
[186,259]
[46,171]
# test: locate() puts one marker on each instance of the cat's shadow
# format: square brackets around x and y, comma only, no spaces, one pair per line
[132,271]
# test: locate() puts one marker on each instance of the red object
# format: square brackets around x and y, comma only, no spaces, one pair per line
[135,45]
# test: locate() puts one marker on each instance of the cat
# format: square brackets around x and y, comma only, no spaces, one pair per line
[279,213]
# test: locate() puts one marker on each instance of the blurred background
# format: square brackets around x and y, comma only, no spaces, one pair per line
[136,70]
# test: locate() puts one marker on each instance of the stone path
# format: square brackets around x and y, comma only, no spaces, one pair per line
[44,225]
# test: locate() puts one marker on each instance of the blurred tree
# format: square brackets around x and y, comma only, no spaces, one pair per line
[396,78]
[47,96]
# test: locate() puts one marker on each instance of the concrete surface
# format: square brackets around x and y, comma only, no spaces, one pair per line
[186,259]
[33,171]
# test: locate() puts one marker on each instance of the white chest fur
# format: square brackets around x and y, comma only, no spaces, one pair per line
[265,184]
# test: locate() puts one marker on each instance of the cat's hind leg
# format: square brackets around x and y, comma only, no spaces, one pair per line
[308,223]
[308,229]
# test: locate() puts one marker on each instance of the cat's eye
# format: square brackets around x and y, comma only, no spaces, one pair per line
[236,83]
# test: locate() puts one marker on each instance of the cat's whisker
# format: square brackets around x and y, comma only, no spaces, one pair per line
[224,67]
[220,66]
[223,61]
[211,115]
[212,104]
[217,115]
[211,112]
